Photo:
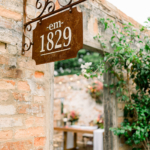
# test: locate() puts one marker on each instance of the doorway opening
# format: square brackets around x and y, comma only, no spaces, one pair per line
[78,102]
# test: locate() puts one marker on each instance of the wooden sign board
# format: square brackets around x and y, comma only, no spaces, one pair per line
[58,38]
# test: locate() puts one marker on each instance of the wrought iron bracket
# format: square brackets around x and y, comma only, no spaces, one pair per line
[50,6]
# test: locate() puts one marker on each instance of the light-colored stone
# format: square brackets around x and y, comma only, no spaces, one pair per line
[10,122]
[30,132]
[4,96]
[39,99]
[7,84]
[12,49]
[3,48]
[10,14]
[7,110]
[5,135]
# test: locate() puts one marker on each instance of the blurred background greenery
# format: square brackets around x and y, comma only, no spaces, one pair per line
[72,66]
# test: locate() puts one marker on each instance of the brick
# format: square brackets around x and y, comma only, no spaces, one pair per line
[10,14]
[12,49]
[5,135]
[28,74]
[4,60]
[4,96]
[39,141]
[5,23]
[3,47]
[120,120]
[10,122]
[7,110]
[30,109]
[8,72]
[7,84]
[38,74]
[121,106]
[23,86]
[39,121]
[57,6]
[19,145]
[39,99]
[24,63]
[29,122]
[28,53]
[22,96]
[30,132]
[96,26]
[34,121]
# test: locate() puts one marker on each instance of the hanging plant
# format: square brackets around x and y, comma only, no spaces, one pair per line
[95,90]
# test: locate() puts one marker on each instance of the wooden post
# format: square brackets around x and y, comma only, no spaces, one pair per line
[75,141]
[110,113]
[65,140]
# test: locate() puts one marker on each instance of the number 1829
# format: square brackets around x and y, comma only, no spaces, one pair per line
[51,45]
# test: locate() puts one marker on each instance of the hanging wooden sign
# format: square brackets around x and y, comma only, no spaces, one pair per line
[58,34]
[58,38]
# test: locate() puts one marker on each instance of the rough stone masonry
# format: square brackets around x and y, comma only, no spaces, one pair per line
[26,90]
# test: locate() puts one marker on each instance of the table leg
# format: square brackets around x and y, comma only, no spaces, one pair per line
[65,140]
[75,141]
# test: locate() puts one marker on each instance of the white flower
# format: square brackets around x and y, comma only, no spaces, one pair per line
[130,65]
[80,60]
[86,74]
[82,66]
[55,73]
[83,71]
[87,65]
[128,62]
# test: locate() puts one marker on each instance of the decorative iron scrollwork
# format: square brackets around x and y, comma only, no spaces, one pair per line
[50,6]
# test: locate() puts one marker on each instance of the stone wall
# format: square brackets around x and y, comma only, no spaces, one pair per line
[73,90]
[25,89]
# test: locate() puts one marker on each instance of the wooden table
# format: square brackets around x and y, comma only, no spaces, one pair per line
[75,131]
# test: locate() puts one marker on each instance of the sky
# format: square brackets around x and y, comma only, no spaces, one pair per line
[139,10]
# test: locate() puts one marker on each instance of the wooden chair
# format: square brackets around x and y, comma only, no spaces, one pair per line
[58,142]
[89,143]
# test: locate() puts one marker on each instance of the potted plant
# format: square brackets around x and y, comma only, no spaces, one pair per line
[73,117]
[95,90]
[99,122]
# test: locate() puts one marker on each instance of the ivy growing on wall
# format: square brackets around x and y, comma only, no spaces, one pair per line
[129,62]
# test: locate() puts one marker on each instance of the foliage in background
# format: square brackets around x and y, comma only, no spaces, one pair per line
[129,62]
[95,90]
[72,66]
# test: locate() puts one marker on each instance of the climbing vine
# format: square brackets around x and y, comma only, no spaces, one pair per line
[129,62]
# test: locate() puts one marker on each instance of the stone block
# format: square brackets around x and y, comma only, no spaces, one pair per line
[22,97]
[23,86]
[39,141]
[4,96]
[29,132]
[38,74]
[19,145]
[10,14]
[7,110]
[39,99]
[12,49]
[10,122]
[5,135]
[30,109]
